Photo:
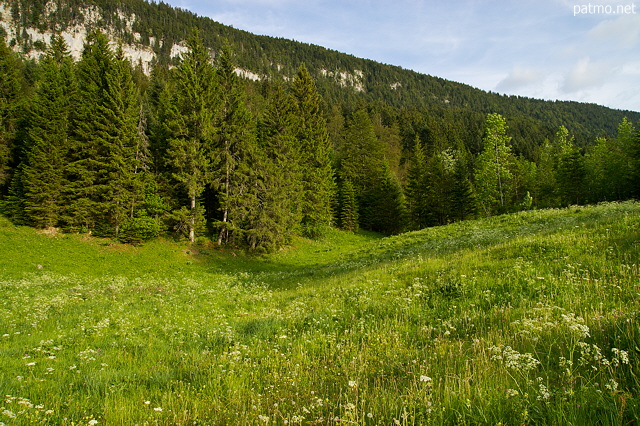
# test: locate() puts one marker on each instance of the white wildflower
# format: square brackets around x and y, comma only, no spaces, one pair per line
[425,379]
[157,409]
[93,422]
[512,392]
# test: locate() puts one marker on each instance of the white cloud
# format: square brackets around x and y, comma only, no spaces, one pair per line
[519,77]
[586,74]
[624,30]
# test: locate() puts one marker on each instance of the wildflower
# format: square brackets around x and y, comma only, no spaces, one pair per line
[93,422]
[263,419]
[612,385]
[157,409]
[512,392]
[544,393]
[31,364]
[352,383]
[9,414]
[370,415]
[147,402]
[425,379]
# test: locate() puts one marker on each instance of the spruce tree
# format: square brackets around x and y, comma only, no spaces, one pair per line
[87,171]
[280,212]
[9,96]
[417,187]
[315,154]
[235,159]
[190,130]
[348,206]
[104,180]
[570,172]
[43,176]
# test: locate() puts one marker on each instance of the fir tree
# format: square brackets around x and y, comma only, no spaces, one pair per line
[87,171]
[9,96]
[190,129]
[315,154]
[417,187]
[280,211]
[348,206]
[234,173]
[43,176]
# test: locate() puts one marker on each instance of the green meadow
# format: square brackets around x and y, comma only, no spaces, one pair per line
[530,318]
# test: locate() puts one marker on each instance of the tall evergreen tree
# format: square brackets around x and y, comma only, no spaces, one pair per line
[280,212]
[570,173]
[315,154]
[190,129]
[493,175]
[86,171]
[104,180]
[9,96]
[417,187]
[126,145]
[348,206]
[43,177]
[234,173]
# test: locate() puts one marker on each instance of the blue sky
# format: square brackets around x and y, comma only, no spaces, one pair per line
[549,49]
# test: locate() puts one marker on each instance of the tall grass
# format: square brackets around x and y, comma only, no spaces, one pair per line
[529,318]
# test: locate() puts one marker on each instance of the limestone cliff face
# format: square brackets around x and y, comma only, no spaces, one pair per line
[33,42]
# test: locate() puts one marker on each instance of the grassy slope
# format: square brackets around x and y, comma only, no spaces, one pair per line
[527,318]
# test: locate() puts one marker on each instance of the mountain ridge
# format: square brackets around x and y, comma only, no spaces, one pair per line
[154,33]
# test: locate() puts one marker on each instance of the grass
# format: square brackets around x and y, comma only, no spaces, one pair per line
[529,318]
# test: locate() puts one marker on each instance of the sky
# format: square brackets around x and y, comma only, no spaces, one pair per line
[546,49]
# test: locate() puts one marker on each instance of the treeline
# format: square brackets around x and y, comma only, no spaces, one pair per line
[195,151]
[159,26]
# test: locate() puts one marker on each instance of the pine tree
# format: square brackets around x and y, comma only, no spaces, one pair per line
[315,154]
[190,129]
[43,176]
[9,96]
[493,175]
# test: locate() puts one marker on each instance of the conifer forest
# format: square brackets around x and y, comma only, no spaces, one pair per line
[193,150]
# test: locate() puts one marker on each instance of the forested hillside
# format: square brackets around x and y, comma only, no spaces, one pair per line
[182,144]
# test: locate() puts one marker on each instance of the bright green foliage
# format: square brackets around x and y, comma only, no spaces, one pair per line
[546,191]
[315,154]
[608,169]
[9,91]
[190,126]
[493,176]
[235,154]
[43,176]
[348,206]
